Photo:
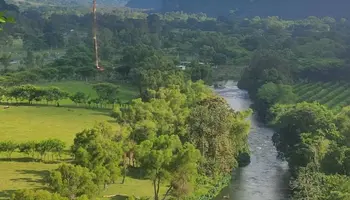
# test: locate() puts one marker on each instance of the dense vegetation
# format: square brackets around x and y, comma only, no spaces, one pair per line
[169,136]
[306,65]
[245,8]
[178,134]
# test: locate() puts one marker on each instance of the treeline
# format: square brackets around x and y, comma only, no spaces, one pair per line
[182,137]
[315,48]
[107,95]
[289,9]
[311,137]
[35,150]
[315,142]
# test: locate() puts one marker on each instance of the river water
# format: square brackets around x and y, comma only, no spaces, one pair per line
[266,177]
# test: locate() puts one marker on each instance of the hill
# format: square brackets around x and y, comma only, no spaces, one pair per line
[286,9]
[66,2]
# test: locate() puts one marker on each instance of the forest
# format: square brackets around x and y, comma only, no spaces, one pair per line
[287,9]
[171,134]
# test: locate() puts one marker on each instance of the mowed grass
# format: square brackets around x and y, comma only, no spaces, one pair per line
[24,123]
[29,175]
[22,175]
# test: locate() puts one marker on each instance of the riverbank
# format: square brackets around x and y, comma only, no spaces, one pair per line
[266,178]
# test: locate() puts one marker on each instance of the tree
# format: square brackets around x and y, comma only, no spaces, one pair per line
[78,98]
[3,93]
[303,132]
[29,60]
[55,94]
[219,133]
[9,147]
[165,158]
[72,181]
[36,195]
[99,150]
[199,71]
[28,148]
[267,66]
[5,60]
[343,124]
[315,185]
[107,92]
[270,94]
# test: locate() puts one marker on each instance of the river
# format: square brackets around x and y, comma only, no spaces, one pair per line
[266,177]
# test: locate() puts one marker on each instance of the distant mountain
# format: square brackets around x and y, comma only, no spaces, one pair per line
[248,8]
[146,4]
[67,2]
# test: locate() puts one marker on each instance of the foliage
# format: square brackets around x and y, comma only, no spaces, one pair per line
[9,147]
[219,133]
[165,158]
[36,195]
[303,133]
[107,92]
[270,94]
[98,149]
[72,181]
[314,185]
[31,148]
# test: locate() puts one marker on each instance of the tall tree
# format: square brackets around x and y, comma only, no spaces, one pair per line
[72,181]
[165,159]
[219,133]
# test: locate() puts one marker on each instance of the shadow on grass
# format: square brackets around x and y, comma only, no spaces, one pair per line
[6,194]
[119,197]
[37,176]
[36,160]
[98,109]
[37,173]
[136,173]
[24,159]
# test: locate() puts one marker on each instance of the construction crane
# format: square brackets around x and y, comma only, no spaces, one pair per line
[94,33]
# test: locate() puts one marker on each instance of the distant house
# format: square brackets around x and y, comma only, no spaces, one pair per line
[184,64]
[183,67]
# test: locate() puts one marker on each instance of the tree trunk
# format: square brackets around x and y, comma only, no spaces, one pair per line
[158,186]
[155,189]
[124,174]
[167,192]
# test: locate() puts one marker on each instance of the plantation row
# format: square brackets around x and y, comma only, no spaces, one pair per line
[335,95]
[33,149]
[107,94]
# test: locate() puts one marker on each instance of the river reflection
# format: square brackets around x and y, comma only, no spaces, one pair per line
[266,178]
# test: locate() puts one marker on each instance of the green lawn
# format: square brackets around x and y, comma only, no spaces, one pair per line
[25,123]
[22,175]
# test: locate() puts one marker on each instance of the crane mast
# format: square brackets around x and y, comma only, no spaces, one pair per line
[94,33]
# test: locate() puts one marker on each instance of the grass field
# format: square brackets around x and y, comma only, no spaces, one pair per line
[335,95]
[24,123]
